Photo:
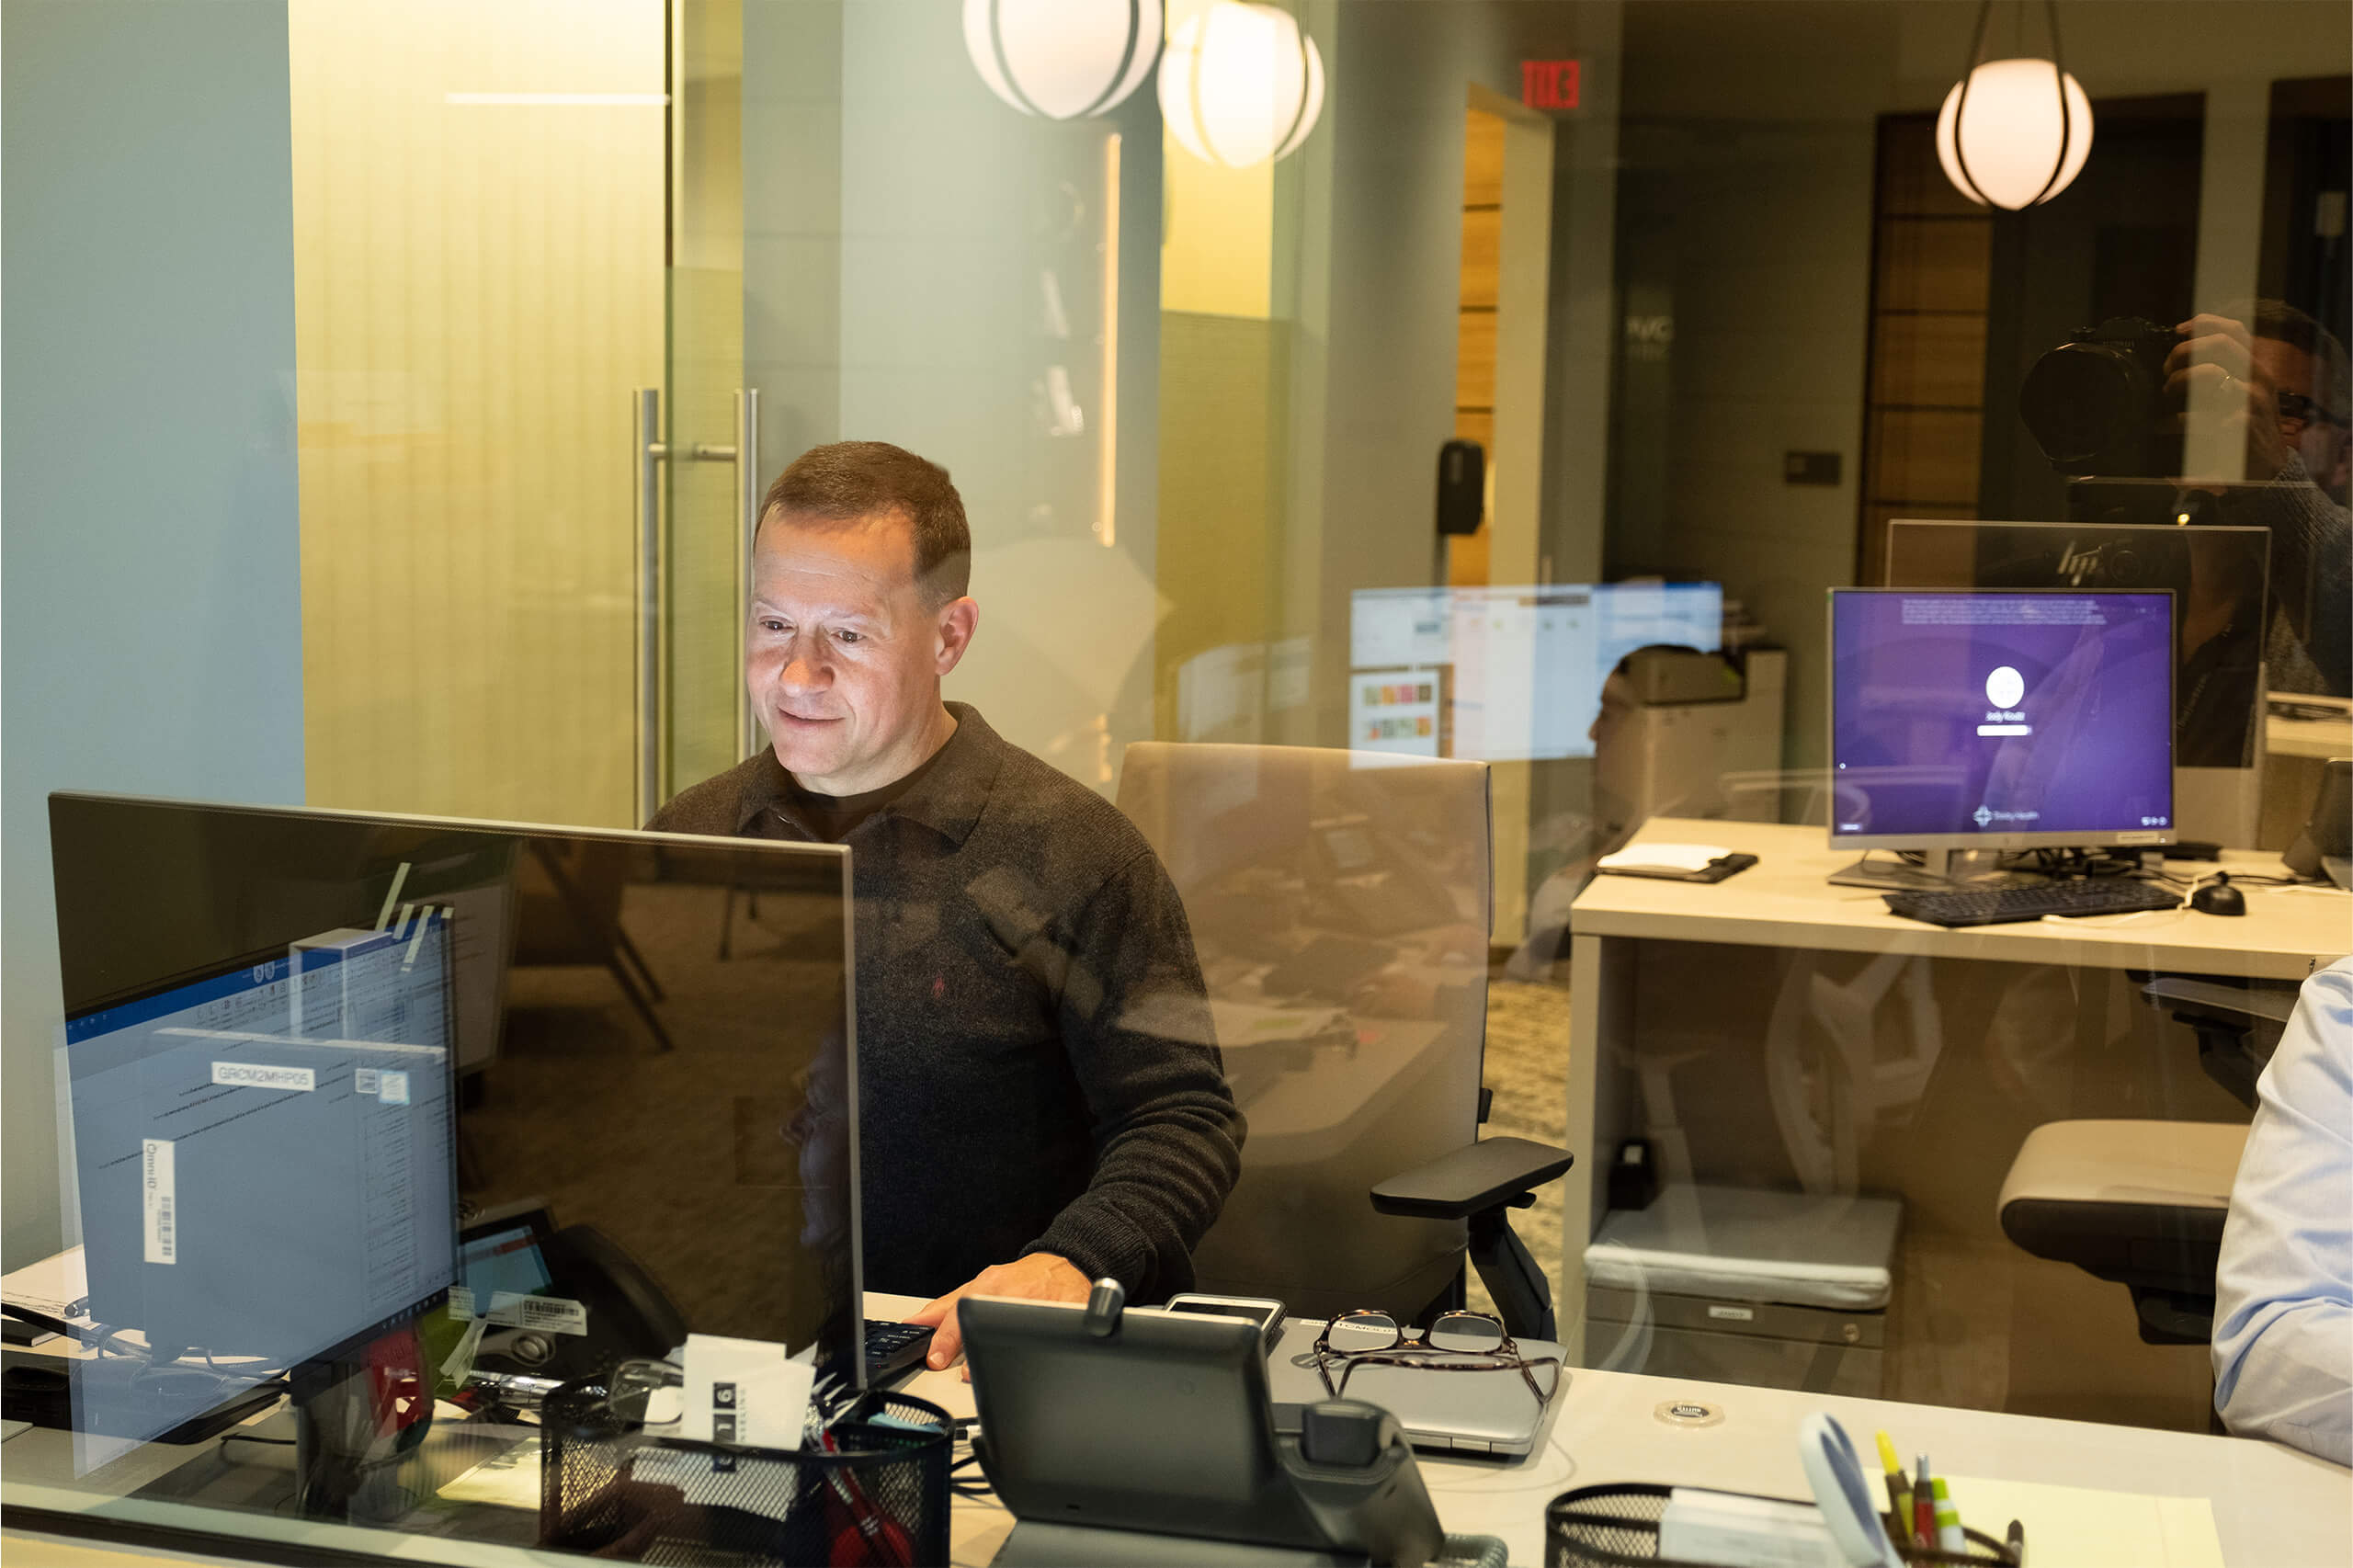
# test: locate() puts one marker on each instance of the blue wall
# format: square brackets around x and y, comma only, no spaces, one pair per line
[150,631]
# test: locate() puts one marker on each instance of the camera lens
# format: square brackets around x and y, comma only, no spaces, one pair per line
[2085,401]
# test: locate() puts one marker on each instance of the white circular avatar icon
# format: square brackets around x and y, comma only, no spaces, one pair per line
[2005,687]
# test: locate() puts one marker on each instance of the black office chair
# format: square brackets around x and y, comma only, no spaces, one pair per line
[2141,1204]
[1341,909]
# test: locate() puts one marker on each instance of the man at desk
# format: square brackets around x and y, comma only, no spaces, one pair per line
[1022,1132]
[2283,1290]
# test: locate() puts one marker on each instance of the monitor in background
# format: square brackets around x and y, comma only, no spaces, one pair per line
[1507,674]
[2218,577]
[673,1069]
[1982,721]
[265,1162]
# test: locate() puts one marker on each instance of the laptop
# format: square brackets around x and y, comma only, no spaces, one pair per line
[1454,1412]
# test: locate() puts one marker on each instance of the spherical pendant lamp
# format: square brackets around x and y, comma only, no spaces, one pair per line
[1062,59]
[1240,84]
[2005,139]
[2014,132]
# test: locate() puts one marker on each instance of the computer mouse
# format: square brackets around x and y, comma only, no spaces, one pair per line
[2217,897]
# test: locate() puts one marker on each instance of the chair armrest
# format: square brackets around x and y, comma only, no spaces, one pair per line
[1489,1174]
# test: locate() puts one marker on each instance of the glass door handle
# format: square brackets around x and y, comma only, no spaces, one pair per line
[747,453]
[652,589]
[649,449]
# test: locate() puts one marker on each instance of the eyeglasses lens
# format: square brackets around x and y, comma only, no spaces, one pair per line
[1465,1332]
[1361,1332]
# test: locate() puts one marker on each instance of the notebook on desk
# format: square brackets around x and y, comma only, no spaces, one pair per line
[1467,1414]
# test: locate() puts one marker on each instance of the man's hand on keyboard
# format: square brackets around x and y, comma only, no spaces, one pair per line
[1039,1276]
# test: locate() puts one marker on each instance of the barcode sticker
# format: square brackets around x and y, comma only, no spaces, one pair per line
[363,1079]
[160,1195]
[551,1314]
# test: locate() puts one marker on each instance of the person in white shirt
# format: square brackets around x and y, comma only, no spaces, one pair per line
[2284,1291]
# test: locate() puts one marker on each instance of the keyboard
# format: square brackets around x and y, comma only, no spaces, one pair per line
[1998,906]
[891,1349]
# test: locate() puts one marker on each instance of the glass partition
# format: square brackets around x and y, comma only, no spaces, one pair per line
[1409,449]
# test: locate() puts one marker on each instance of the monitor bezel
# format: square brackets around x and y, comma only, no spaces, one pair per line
[2109,838]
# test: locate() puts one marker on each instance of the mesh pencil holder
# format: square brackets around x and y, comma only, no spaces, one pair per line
[611,1487]
[1607,1527]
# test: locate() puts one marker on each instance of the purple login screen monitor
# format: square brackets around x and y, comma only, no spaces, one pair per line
[2000,720]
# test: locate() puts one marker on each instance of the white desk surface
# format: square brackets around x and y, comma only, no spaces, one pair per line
[2308,737]
[2274,1507]
[1786,901]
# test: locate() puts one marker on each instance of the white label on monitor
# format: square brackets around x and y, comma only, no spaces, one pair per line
[393,1089]
[1736,1315]
[259,1075]
[159,1195]
[2138,837]
[549,1314]
[364,1079]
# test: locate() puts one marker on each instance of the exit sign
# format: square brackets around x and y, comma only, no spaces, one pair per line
[1547,84]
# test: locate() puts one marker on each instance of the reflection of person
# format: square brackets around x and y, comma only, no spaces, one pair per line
[2284,1291]
[1021,1132]
[2298,406]
[1617,776]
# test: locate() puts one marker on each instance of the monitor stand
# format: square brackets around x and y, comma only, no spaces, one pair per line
[1945,870]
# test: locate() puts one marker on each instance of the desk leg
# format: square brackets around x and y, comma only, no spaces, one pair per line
[1600,1000]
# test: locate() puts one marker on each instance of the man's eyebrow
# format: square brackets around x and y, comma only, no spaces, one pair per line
[821,612]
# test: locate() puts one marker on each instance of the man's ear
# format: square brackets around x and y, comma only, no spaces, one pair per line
[953,627]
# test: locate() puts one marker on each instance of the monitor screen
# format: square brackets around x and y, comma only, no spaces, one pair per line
[265,1157]
[1507,674]
[673,1067]
[2000,720]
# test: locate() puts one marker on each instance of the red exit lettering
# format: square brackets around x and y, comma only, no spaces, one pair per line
[1547,84]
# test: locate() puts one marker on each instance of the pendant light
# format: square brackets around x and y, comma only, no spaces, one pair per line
[1240,84]
[2014,132]
[1062,59]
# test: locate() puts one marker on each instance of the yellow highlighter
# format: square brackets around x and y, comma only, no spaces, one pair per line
[1949,1538]
[1899,1489]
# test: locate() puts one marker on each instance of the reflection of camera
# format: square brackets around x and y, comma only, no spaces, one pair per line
[2095,404]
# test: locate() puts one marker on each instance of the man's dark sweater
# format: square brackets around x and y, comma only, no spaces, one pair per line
[1037,1069]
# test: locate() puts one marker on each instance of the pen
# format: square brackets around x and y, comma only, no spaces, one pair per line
[2018,1544]
[1899,1490]
[1949,1538]
[1924,1507]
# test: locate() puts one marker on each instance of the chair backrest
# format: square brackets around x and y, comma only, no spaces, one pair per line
[1341,903]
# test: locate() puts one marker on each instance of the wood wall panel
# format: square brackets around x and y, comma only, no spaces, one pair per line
[1934,264]
[478,287]
[1936,360]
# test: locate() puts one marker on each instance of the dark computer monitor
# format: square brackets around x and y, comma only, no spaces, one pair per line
[675,1067]
[1989,721]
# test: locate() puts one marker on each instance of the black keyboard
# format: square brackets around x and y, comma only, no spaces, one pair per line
[1998,906]
[891,1349]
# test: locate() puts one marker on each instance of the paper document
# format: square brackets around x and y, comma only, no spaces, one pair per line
[2084,1528]
[1663,858]
[509,1479]
[56,1287]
